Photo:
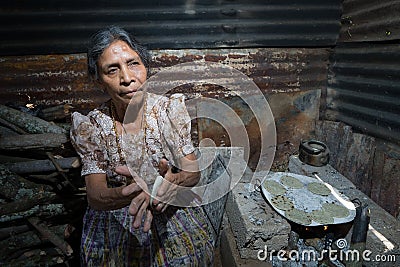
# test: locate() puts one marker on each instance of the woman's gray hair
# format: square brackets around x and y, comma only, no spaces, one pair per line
[104,38]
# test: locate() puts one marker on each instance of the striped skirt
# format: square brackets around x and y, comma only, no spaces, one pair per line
[178,237]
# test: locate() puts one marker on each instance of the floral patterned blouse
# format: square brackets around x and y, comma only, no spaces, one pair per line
[167,134]
[178,236]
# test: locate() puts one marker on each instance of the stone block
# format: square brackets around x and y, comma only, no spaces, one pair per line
[230,256]
[254,223]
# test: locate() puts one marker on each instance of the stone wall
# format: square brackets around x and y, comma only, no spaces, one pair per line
[373,165]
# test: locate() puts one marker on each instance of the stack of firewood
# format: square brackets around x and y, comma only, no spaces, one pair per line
[42,196]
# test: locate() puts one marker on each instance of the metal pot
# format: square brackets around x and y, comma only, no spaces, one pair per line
[314,153]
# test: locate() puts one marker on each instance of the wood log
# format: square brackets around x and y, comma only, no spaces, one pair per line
[36,166]
[48,234]
[36,257]
[46,141]
[25,257]
[27,202]
[65,125]
[27,122]
[48,178]
[5,159]
[19,245]
[56,112]
[15,187]
[48,210]
[18,242]
[12,126]
[7,232]
[4,131]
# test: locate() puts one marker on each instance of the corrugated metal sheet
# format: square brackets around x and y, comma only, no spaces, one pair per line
[57,79]
[55,26]
[291,77]
[364,88]
[370,20]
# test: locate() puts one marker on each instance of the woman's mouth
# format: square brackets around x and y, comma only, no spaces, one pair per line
[128,93]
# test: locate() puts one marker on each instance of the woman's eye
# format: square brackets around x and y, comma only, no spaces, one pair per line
[133,63]
[112,71]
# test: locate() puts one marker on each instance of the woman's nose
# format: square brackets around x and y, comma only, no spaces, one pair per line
[126,75]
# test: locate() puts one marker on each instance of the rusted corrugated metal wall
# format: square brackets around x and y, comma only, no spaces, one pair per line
[364,93]
[370,20]
[364,88]
[364,80]
[290,78]
[60,79]
[55,26]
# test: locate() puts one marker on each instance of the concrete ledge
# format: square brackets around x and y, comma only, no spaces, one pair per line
[254,223]
[327,173]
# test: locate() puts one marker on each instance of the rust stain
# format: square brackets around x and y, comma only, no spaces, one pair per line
[289,134]
[165,60]
[253,131]
[214,58]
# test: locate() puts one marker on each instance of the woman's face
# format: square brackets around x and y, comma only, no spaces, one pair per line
[121,71]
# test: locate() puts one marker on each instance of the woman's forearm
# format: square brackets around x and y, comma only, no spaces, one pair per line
[101,197]
[108,199]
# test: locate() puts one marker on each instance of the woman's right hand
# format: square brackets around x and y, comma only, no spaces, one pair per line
[139,206]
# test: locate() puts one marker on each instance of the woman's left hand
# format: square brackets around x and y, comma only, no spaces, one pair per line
[167,190]
[175,188]
[139,206]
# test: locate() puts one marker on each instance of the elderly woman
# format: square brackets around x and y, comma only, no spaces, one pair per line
[123,225]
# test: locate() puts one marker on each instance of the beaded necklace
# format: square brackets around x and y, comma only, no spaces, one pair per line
[114,114]
[117,138]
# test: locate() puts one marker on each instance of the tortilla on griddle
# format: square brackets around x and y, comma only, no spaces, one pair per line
[291,182]
[335,210]
[318,189]
[298,216]
[274,188]
[282,202]
[321,216]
